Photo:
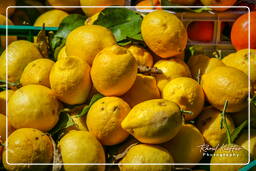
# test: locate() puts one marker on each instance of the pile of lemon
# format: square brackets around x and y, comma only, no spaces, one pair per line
[150,108]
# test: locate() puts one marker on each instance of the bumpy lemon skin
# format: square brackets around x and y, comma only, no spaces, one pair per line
[73,147]
[164,33]
[28,145]
[91,11]
[104,120]
[187,93]
[37,72]
[154,121]
[51,18]
[144,153]
[62,53]
[226,83]
[70,80]
[208,122]
[3,127]
[240,60]
[3,100]
[33,106]
[171,68]
[64,3]
[239,155]
[87,41]
[144,88]
[185,146]
[20,53]
[202,64]
[142,56]
[114,71]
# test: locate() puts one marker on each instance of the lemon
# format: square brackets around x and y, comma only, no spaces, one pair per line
[70,80]
[142,153]
[187,93]
[104,120]
[64,3]
[33,106]
[86,41]
[3,38]
[19,54]
[37,72]
[208,123]
[3,99]
[231,153]
[171,68]
[51,18]
[81,147]
[226,83]
[5,4]
[202,64]
[91,11]
[113,71]
[3,134]
[164,33]
[142,56]
[28,145]
[62,53]
[243,141]
[240,60]
[144,88]
[90,20]
[154,121]
[185,146]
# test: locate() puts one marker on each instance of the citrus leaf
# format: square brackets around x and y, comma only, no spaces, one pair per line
[68,24]
[95,98]
[65,121]
[124,23]
[236,132]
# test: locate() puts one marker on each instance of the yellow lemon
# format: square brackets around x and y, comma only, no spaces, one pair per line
[113,71]
[70,80]
[240,60]
[51,18]
[243,141]
[3,134]
[73,147]
[142,154]
[230,153]
[91,11]
[226,83]
[90,20]
[3,38]
[144,88]
[62,53]
[6,3]
[154,121]
[86,41]
[3,99]
[185,146]
[28,145]
[64,3]
[171,68]
[164,33]
[202,64]
[33,106]
[19,54]
[208,123]
[104,120]
[187,93]
[142,56]
[37,72]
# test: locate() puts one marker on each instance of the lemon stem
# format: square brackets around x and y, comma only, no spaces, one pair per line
[186,112]
[224,122]
[198,78]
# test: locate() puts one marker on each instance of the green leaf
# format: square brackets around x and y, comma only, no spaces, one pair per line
[65,121]
[200,10]
[124,23]
[253,100]
[95,98]
[236,132]
[68,24]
